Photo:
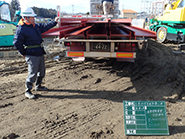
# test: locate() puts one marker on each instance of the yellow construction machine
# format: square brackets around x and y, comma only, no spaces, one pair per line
[171,24]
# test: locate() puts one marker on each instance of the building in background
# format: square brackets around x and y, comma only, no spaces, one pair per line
[128,14]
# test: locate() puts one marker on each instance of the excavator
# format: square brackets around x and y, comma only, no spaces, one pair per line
[171,24]
[7,26]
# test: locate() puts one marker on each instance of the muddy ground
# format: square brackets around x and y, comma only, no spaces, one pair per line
[85,99]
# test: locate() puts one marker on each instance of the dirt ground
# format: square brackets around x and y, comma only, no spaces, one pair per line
[85,99]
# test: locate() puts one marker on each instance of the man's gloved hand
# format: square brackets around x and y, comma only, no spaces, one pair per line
[56,19]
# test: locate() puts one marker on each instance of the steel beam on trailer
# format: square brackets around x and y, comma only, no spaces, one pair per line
[80,31]
[55,31]
[70,22]
[67,32]
[122,21]
[75,21]
[108,28]
[61,32]
[99,22]
[100,29]
[120,32]
[140,32]
[97,31]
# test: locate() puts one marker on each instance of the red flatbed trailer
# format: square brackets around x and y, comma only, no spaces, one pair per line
[88,37]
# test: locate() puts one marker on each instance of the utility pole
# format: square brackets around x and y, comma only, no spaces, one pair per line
[73,9]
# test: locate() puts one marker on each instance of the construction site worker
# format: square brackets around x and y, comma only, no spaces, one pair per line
[106,6]
[27,41]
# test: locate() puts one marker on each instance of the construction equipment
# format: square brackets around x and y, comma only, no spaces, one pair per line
[170,25]
[7,31]
[7,27]
[88,37]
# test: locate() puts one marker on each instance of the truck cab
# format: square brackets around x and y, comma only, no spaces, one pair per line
[175,10]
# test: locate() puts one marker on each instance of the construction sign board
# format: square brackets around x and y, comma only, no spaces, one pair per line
[145,118]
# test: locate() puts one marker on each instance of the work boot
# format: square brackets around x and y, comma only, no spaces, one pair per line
[40,88]
[28,86]
[29,95]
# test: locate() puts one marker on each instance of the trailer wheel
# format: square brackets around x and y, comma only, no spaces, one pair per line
[161,34]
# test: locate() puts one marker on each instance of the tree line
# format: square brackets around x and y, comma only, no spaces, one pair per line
[41,12]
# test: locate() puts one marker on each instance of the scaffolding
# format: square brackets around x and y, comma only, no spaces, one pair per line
[153,7]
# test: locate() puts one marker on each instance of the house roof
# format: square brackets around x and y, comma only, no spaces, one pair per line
[128,11]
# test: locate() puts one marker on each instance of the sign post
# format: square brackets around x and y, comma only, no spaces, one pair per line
[145,118]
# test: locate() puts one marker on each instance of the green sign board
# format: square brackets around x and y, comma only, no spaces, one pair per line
[145,118]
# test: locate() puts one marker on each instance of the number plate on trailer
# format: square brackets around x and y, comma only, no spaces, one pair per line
[100,46]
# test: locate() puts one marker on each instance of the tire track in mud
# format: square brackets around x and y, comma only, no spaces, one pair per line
[92,111]
[12,67]
[6,105]
[64,125]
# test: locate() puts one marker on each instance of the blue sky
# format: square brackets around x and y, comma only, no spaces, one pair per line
[79,5]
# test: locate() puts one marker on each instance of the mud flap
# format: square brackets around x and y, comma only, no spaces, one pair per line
[125,60]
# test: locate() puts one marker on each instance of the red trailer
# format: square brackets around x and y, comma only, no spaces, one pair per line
[89,37]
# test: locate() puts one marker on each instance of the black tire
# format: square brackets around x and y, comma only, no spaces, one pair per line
[161,34]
